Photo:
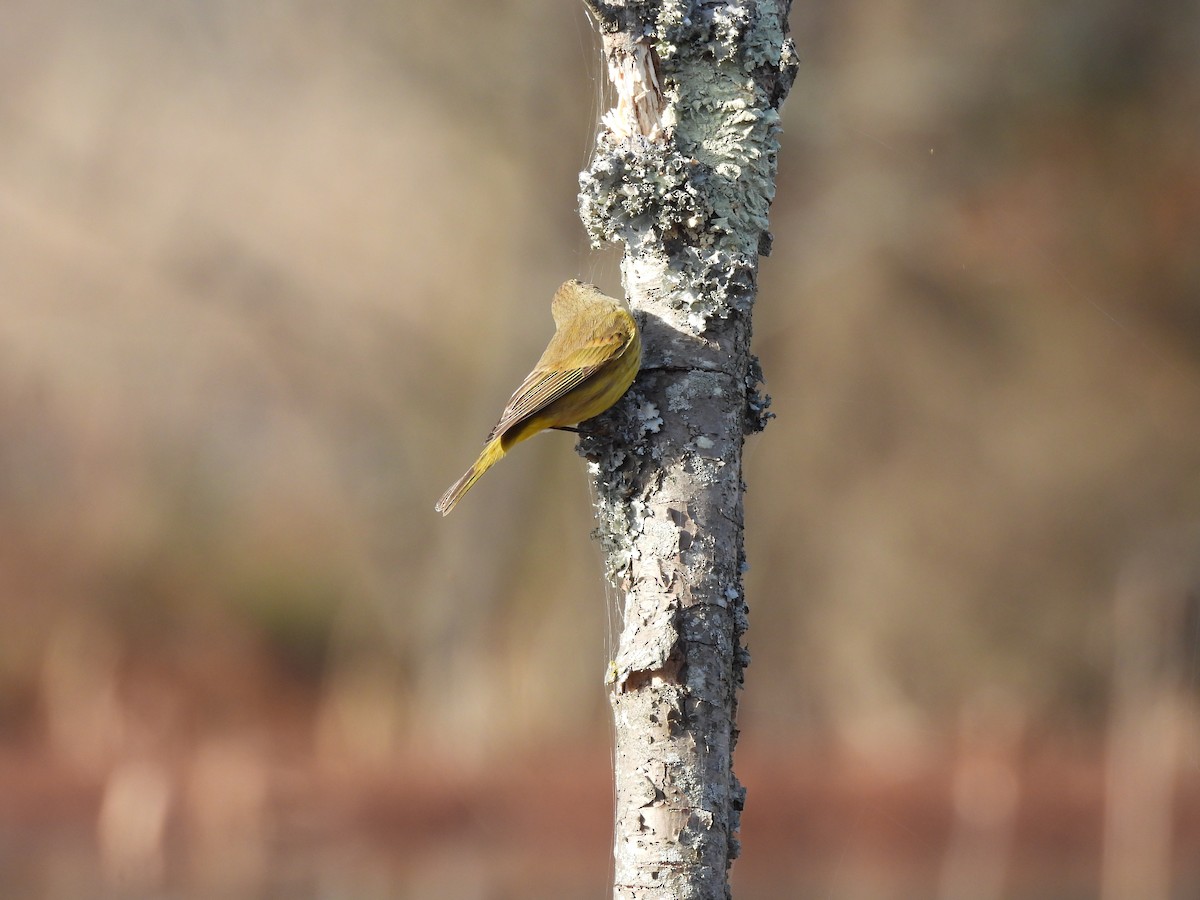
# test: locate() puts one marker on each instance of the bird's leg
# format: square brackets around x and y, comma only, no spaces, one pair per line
[601,426]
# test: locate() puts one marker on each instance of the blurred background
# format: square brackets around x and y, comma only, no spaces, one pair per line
[268,273]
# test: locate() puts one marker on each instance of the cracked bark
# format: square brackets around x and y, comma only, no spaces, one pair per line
[683,175]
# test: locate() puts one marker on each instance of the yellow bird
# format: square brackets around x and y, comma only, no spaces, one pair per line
[590,362]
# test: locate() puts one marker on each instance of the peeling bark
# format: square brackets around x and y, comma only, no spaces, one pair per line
[683,175]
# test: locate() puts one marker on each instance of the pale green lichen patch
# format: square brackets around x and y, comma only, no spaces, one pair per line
[647,414]
[642,192]
[713,30]
[721,126]
[722,283]
[617,452]
[619,522]
[701,193]
[726,120]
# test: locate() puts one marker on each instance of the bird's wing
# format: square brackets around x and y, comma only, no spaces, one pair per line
[545,385]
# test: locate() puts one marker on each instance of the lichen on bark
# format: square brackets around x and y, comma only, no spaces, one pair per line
[683,175]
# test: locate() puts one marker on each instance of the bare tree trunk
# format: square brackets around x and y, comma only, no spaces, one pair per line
[683,175]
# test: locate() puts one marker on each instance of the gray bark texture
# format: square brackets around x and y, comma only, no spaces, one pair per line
[683,175]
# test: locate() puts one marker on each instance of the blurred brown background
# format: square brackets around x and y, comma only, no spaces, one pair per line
[269,271]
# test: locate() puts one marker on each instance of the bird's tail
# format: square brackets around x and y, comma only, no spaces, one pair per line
[488,458]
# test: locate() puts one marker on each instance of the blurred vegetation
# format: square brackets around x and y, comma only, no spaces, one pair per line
[269,272]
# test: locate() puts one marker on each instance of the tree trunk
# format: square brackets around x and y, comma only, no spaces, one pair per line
[683,175]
